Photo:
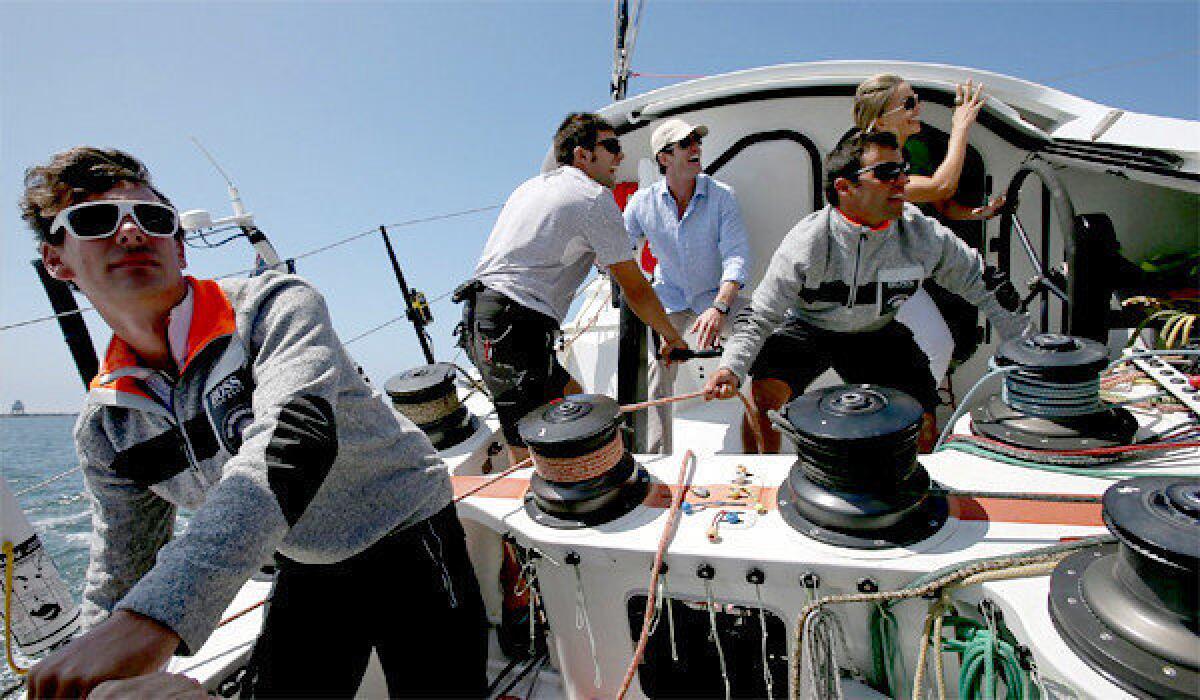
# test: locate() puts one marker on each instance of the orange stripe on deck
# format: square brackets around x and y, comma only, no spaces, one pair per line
[1005,510]
[1013,510]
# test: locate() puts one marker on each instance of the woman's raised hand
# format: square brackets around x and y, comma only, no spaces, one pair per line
[968,100]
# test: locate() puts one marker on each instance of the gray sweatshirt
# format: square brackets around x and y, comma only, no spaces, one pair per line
[269,434]
[841,276]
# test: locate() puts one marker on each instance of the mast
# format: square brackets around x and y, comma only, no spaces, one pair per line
[631,347]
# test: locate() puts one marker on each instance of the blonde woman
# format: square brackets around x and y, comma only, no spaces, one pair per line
[887,102]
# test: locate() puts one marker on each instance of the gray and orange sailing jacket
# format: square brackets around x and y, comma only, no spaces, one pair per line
[842,276]
[269,434]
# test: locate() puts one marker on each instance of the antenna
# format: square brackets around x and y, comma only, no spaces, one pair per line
[239,209]
[199,219]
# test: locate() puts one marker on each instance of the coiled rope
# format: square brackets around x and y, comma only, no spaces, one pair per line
[1034,395]
[959,574]
[571,469]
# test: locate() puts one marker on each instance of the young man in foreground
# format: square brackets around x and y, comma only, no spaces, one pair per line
[236,400]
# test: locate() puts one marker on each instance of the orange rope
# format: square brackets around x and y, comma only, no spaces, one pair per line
[751,413]
[567,470]
[519,465]
[236,615]
[685,482]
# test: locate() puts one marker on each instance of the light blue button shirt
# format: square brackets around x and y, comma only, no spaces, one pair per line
[697,253]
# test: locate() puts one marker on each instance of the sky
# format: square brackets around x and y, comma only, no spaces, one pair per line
[334,118]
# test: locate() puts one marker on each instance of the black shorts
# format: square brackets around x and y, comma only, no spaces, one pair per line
[798,353]
[512,346]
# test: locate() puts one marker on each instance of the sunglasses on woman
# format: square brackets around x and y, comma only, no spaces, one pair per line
[910,103]
[101,219]
[886,172]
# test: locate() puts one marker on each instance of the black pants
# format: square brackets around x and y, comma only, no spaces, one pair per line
[798,353]
[412,597]
[512,346]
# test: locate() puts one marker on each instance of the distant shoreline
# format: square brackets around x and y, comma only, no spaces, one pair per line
[34,414]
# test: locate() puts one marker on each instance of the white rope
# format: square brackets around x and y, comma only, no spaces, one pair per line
[670,619]
[762,622]
[583,622]
[712,621]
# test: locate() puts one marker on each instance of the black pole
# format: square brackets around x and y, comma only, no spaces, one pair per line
[631,368]
[74,330]
[417,321]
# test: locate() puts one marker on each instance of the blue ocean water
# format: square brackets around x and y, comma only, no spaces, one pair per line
[33,449]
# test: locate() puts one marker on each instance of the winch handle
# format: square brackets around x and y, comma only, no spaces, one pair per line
[683,354]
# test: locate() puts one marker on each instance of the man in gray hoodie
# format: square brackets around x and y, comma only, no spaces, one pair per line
[236,400]
[831,292]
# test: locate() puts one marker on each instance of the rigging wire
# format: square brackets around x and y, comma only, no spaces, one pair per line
[309,253]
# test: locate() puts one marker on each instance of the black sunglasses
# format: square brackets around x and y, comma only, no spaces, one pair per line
[612,145]
[909,104]
[886,172]
[686,142]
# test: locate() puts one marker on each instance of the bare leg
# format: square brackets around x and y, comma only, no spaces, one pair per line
[767,394]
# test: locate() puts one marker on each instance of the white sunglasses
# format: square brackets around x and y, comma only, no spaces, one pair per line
[101,219]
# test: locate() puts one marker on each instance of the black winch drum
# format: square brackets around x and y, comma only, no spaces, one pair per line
[1060,360]
[1129,609]
[427,396]
[583,430]
[856,481]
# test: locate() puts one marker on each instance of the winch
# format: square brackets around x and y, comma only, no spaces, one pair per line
[1050,397]
[1129,609]
[584,475]
[426,395]
[856,481]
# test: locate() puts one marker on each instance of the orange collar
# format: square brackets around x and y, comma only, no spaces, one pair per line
[881,227]
[212,318]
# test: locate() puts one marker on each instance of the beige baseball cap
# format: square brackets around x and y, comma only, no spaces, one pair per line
[672,131]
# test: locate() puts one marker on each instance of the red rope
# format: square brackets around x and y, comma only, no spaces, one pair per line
[685,482]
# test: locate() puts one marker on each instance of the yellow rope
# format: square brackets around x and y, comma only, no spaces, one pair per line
[8,590]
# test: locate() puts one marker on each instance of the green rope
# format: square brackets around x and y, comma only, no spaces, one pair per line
[1099,472]
[886,663]
[982,653]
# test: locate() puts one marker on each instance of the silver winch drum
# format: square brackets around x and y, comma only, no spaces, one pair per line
[1129,609]
[584,474]
[1050,401]
[426,395]
[856,481]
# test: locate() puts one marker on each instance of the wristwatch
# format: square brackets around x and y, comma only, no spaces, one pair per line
[721,306]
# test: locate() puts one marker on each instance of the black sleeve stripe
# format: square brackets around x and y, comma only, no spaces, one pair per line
[154,460]
[301,452]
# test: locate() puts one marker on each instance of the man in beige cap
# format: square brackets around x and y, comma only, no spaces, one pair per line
[694,228]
